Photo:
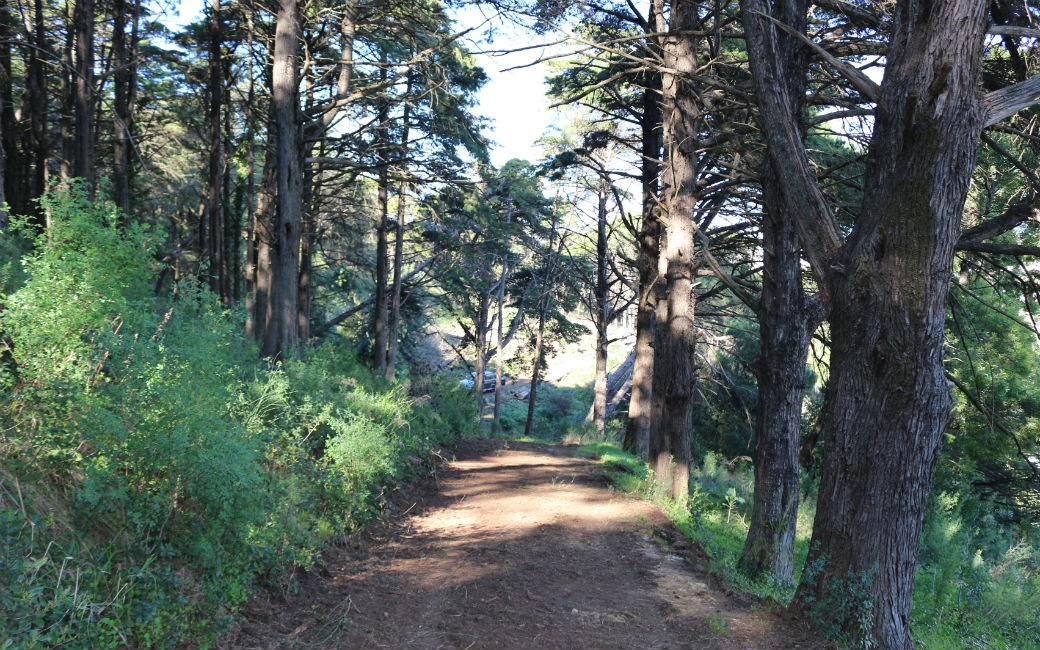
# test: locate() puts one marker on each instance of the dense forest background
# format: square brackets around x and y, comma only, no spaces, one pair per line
[252,272]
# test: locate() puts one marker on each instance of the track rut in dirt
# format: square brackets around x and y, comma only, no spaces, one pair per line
[515,545]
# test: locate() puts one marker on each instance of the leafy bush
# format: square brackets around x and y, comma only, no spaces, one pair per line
[152,469]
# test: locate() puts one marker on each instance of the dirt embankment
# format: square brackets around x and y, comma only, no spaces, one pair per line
[515,545]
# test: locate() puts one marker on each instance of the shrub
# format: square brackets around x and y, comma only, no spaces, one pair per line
[163,466]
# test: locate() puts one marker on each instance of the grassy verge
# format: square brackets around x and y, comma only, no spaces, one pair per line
[714,517]
[961,599]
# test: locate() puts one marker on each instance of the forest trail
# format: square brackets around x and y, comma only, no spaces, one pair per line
[515,545]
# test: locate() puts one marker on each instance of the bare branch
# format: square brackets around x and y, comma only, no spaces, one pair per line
[1003,103]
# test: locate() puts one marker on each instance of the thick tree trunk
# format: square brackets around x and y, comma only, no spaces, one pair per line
[637,429]
[785,328]
[887,402]
[279,252]
[215,211]
[675,341]
[83,160]
[784,335]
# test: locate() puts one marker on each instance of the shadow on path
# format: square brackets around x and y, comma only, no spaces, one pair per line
[515,545]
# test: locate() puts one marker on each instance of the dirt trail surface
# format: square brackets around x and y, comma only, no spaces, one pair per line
[515,545]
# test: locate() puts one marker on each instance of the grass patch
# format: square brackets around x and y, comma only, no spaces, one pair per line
[715,515]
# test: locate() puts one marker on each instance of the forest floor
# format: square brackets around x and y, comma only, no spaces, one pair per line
[515,545]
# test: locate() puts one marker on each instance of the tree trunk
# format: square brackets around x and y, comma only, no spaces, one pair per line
[279,254]
[602,316]
[498,339]
[215,212]
[121,114]
[784,334]
[309,233]
[785,328]
[887,402]
[83,161]
[251,208]
[637,429]
[395,294]
[9,159]
[37,91]
[382,263]
[6,123]
[68,95]
[480,343]
[537,369]
[675,341]
[402,198]
[230,269]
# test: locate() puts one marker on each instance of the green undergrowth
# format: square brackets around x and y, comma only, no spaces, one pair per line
[715,516]
[974,589]
[154,471]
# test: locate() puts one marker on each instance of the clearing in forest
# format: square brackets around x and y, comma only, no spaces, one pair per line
[516,545]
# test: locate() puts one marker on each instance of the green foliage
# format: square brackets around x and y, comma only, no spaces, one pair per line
[843,609]
[152,470]
[974,586]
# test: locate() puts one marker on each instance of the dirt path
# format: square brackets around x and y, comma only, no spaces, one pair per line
[515,545]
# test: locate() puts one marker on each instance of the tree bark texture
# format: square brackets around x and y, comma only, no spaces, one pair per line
[279,237]
[887,402]
[68,94]
[380,330]
[637,429]
[37,94]
[675,340]
[121,118]
[215,212]
[785,328]
[83,160]
[784,334]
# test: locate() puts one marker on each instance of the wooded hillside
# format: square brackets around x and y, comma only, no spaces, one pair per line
[254,270]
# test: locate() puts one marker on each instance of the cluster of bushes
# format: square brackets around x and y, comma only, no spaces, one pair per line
[153,469]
